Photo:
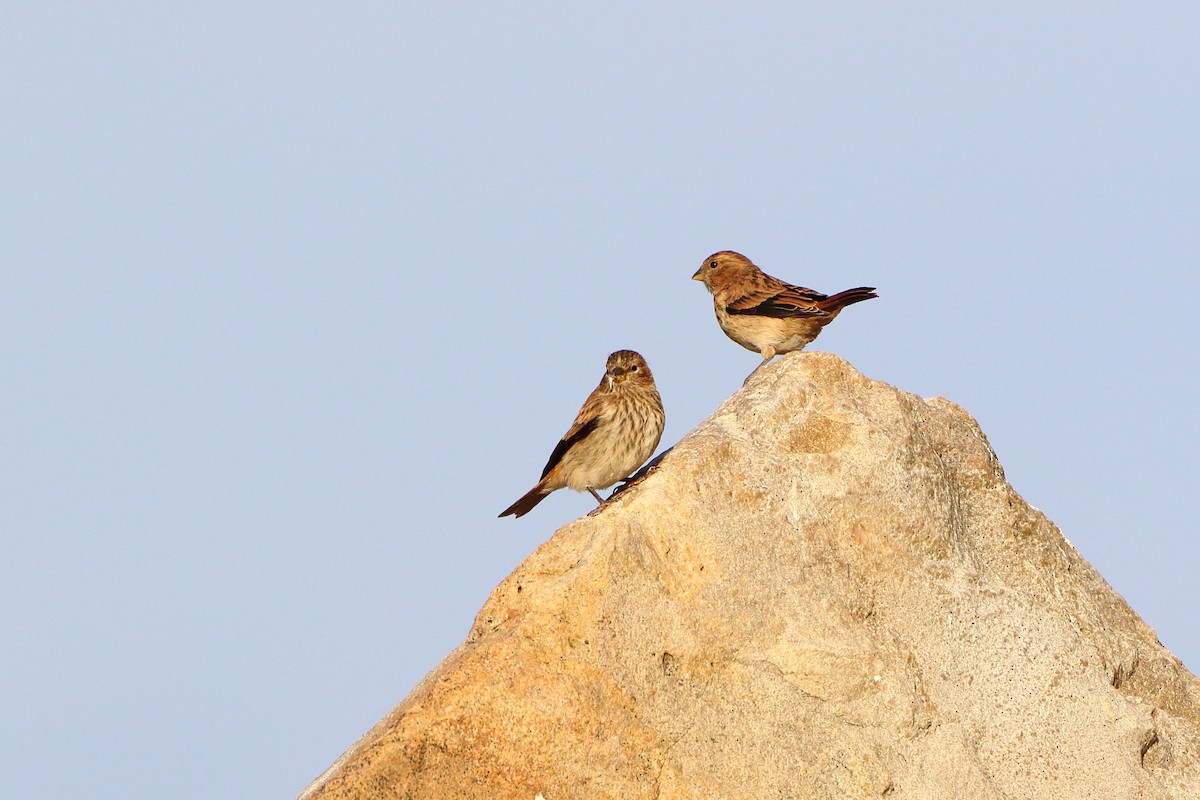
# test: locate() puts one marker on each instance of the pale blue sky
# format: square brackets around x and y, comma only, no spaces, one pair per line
[297,297]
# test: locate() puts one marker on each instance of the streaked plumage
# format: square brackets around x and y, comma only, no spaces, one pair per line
[764,314]
[617,429]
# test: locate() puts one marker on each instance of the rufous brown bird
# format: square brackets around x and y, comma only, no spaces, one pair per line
[616,430]
[764,314]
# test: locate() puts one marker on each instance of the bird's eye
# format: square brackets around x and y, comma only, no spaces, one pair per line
[712,264]
[633,368]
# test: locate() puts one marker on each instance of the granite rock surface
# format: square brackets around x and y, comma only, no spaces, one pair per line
[827,590]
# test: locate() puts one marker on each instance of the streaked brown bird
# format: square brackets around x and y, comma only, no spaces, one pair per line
[616,430]
[764,314]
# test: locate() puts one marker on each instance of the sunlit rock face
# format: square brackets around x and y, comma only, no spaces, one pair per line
[826,590]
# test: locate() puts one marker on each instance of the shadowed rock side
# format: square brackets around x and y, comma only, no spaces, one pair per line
[827,590]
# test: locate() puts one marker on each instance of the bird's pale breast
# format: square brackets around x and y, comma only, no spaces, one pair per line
[756,333]
[628,434]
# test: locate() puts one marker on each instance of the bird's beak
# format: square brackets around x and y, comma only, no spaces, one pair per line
[697,277]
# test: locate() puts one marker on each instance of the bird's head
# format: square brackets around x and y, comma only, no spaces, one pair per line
[721,269]
[629,368]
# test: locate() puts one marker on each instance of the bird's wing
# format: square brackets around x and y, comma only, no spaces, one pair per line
[779,300]
[579,431]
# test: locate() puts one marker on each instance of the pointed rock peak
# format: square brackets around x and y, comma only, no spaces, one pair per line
[826,590]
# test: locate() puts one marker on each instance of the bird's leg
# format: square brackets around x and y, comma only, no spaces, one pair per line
[649,467]
[599,499]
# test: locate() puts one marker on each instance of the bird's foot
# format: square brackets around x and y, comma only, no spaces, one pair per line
[650,468]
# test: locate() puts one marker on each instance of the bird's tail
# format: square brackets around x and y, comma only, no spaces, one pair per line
[523,506]
[836,302]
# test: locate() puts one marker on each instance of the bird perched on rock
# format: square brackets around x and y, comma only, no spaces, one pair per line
[764,314]
[616,430]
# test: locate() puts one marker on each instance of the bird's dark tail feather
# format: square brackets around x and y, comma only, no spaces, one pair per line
[526,503]
[836,302]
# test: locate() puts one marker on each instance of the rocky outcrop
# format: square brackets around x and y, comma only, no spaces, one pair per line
[827,590]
